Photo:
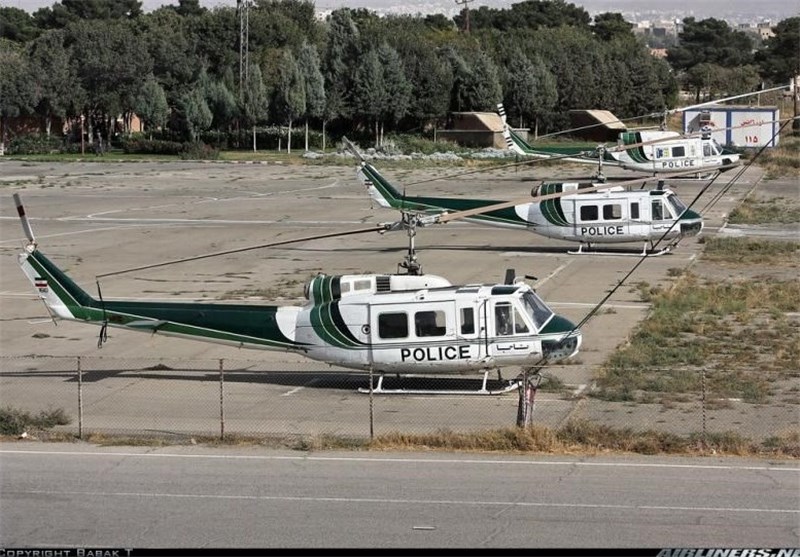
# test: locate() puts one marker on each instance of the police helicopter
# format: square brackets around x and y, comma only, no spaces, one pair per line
[586,213]
[647,150]
[404,323]
[650,151]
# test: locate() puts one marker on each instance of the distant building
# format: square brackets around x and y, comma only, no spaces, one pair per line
[475,129]
[737,126]
[765,30]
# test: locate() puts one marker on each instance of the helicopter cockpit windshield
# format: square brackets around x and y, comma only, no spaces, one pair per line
[716,147]
[678,207]
[536,309]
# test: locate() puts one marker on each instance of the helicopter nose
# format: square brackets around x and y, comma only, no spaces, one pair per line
[730,161]
[691,228]
[563,348]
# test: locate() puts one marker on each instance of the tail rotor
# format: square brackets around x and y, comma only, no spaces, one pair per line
[26,225]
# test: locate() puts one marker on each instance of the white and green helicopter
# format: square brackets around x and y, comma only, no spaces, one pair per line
[650,151]
[403,323]
[589,214]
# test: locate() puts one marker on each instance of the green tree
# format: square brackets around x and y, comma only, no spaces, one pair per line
[111,59]
[476,84]
[529,14]
[58,89]
[189,8]
[17,25]
[431,78]
[710,41]
[17,91]
[70,11]
[612,26]
[151,105]
[397,88]
[340,56]
[196,113]
[369,90]
[705,78]
[309,65]
[255,100]
[779,60]
[290,94]
[172,46]
[530,88]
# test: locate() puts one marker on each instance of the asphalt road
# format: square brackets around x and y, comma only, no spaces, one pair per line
[78,495]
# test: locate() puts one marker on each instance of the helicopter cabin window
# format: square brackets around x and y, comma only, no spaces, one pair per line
[707,150]
[429,324]
[344,287]
[392,325]
[508,322]
[362,284]
[612,212]
[679,151]
[659,212]
[467,321]
[677,204]
[589,213]
[635,211]
[537,309]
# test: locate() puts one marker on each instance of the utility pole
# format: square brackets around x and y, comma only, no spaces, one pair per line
[466,13]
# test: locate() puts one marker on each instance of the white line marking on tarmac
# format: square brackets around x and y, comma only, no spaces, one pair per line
[301,387]
[438,502]
[407,460]
[554,273]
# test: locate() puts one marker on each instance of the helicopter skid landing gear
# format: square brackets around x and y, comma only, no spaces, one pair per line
[379,390]
[644,253]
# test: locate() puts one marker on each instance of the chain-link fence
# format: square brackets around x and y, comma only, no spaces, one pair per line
[278,399]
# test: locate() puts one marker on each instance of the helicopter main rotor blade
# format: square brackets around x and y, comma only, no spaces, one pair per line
[726,99]
[375,228]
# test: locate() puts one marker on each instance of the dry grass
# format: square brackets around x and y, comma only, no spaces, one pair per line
[722,330]
[751,251]
[782,161]
[780,210]
[580,437]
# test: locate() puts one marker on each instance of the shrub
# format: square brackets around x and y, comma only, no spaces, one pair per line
[34,144]
[14,421]
[198,151]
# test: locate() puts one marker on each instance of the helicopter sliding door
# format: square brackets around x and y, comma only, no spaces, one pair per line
[602,220]
[417,335]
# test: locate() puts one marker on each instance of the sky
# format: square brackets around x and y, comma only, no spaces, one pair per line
[710,8]
[147,5]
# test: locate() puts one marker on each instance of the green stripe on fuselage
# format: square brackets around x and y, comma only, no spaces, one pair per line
[636,153]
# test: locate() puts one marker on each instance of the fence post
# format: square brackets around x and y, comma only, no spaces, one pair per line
[80,400]
[371,408]
[703,439]
[221,400]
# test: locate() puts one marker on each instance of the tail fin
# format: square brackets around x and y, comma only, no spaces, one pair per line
[379,189]
[62,297]
[507,133]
